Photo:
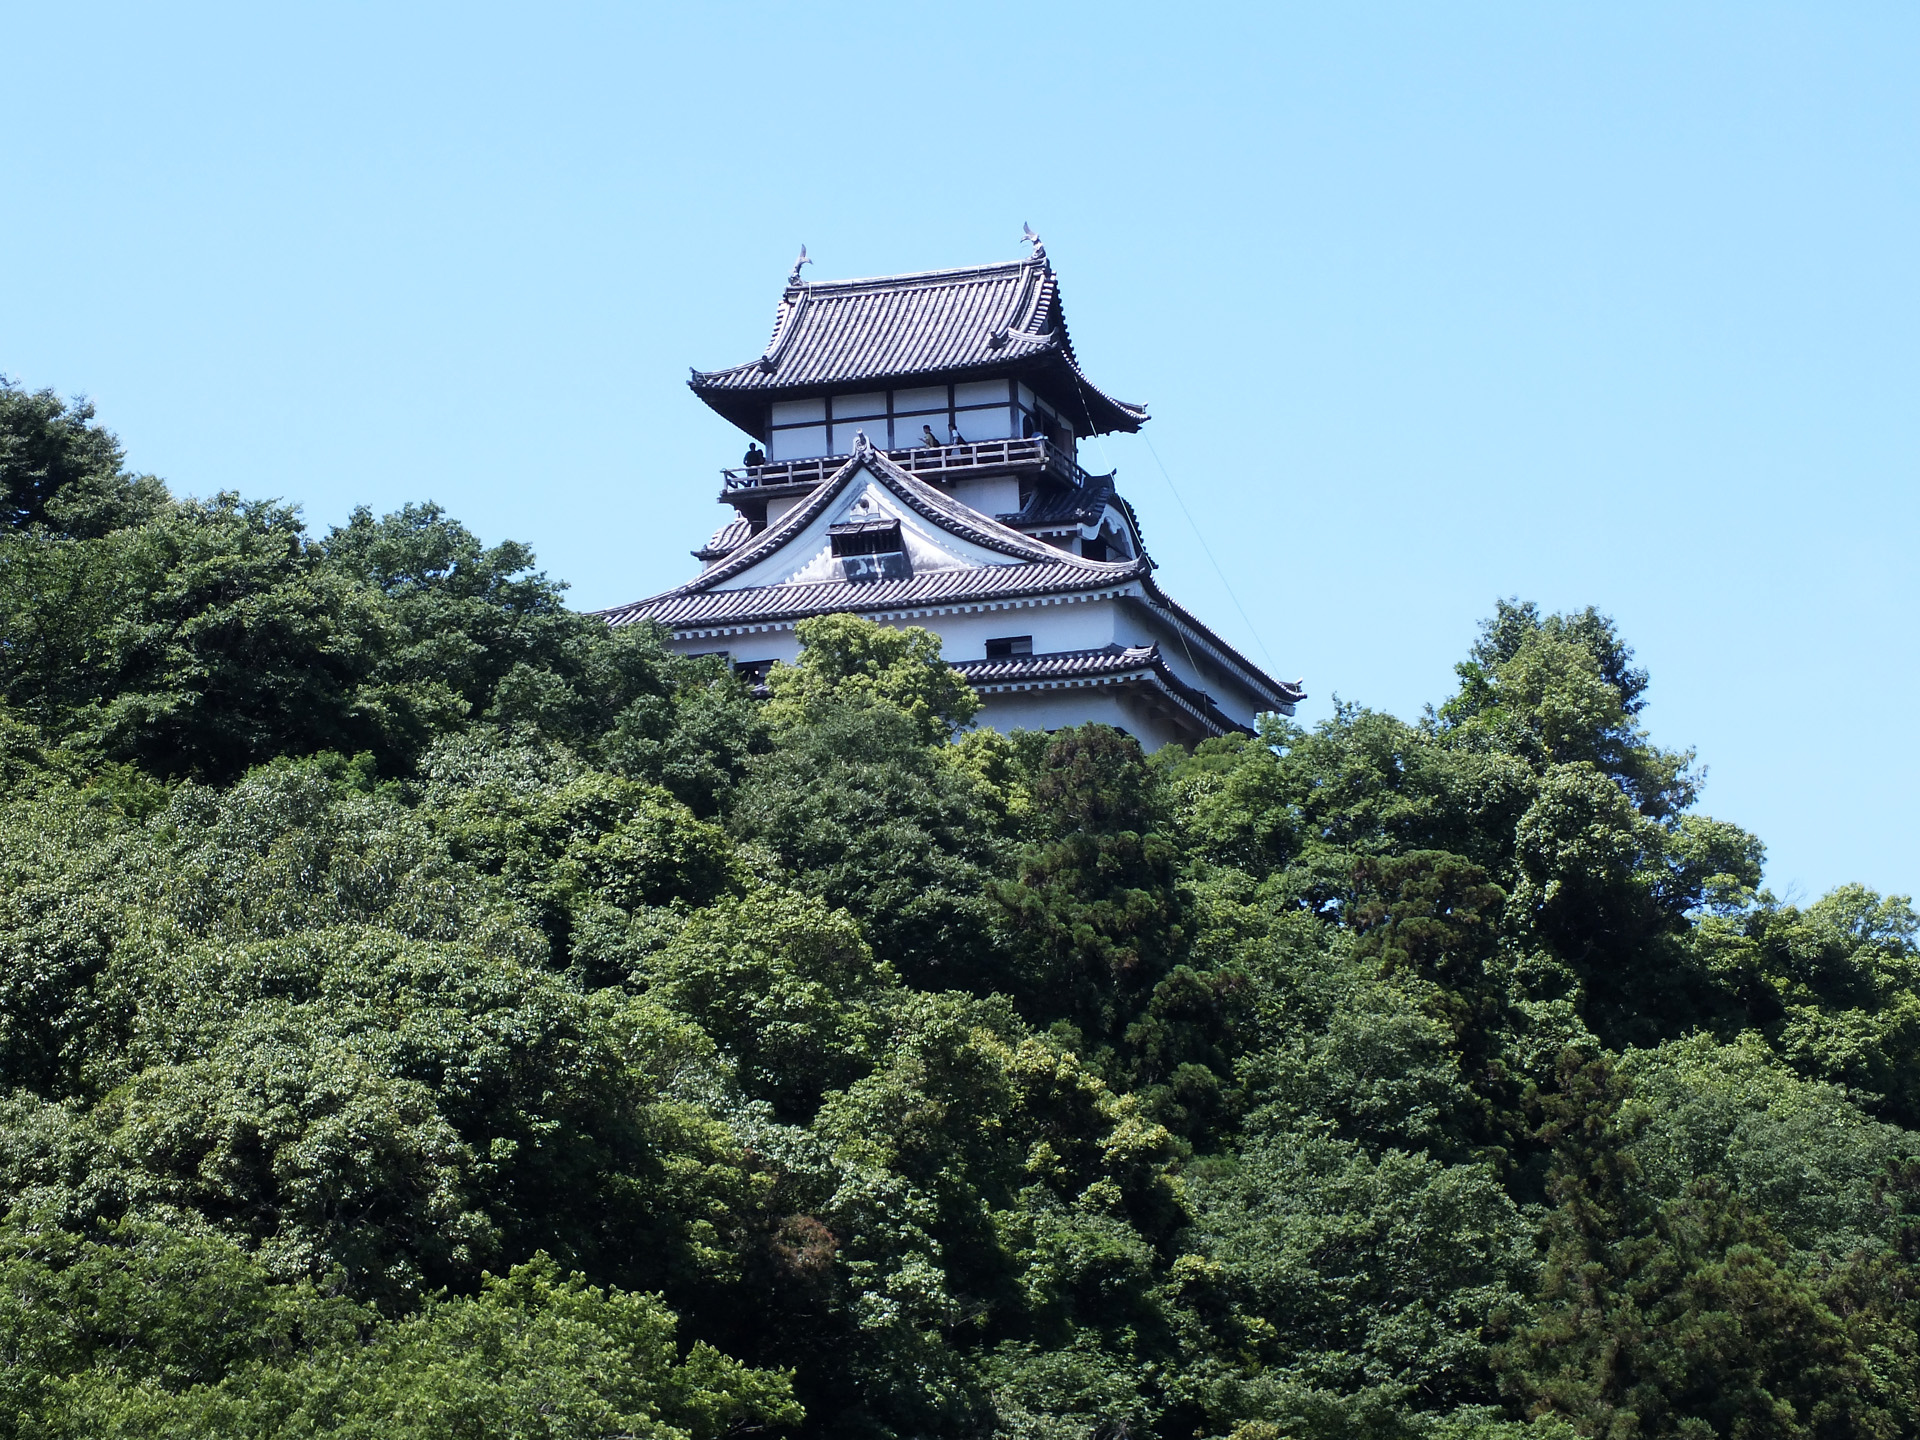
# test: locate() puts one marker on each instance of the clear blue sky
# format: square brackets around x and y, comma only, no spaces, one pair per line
[1608,304]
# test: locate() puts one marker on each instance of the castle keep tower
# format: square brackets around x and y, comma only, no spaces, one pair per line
[920,467]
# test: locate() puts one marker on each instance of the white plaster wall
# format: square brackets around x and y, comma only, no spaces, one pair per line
[1057,709]
[1014,710]
[1152,726]
[1048,709]
[1085,625]
[796,412]
[995,495]
[992,423]
[781,644]
[803,444]
[862,497]
[1114,525]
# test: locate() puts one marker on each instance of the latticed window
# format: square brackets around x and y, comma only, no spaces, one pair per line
[869,550]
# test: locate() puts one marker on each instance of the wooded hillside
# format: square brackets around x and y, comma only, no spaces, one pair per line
[427,1012]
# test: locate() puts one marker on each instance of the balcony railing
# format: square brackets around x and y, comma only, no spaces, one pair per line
[936,463]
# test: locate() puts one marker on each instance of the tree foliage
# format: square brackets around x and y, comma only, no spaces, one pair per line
[424,1010]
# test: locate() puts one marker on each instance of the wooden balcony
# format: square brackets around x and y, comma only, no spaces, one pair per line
[941,465]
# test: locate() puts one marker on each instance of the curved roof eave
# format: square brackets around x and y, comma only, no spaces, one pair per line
[930,503]
[1281,692]
[893,330]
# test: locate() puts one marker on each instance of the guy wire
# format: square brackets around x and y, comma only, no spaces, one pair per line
[1207,549]
[1107,460]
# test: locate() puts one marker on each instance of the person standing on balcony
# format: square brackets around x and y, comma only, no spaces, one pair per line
[755,457]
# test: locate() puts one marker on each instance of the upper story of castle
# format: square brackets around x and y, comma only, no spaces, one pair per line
[966,378]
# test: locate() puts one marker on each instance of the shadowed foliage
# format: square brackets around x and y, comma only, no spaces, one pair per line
[426,1011]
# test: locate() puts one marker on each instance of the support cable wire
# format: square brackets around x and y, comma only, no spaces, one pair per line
[1258,638]
[1107,460]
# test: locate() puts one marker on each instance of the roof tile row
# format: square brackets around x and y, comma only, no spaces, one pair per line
[1059,664]
[898,325]
[832,334]
[763,603]
[727,539]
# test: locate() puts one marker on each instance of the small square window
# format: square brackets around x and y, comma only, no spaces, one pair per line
[1009,646]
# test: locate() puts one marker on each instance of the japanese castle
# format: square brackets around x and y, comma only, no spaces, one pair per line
[921,467]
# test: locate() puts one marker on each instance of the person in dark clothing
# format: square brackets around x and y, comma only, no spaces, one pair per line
[755,456]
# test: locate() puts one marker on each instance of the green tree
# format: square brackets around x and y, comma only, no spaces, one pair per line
[1096,911]
[1687,1317]
[141,1305]
[206,640]
[1382,1273]
[786,987]
[846,659]
[61,470]
[1835,987]
[861,811]
[185,1335]
[584,851]
[1561,689]
[369,921]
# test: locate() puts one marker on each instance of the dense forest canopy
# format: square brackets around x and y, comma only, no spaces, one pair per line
[427,1012]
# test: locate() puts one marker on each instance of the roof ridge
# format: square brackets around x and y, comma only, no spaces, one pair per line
[1046,293]
[1080,667]
[764,544]
[929,276]
[1019,311]
[724,541]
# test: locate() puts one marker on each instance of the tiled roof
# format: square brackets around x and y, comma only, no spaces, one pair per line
[1059,664]
[1065,505]
[985,319]
[1058,507]
[1286,694]
[688,607]
[1108,665]
[930,502]
[1034,567]
[727,539]
[1070,504]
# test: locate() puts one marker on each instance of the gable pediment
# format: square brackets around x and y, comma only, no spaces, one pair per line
[940,550]
[805,556]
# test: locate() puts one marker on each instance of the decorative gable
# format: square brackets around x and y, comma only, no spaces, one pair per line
[813,562]
[817,550]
